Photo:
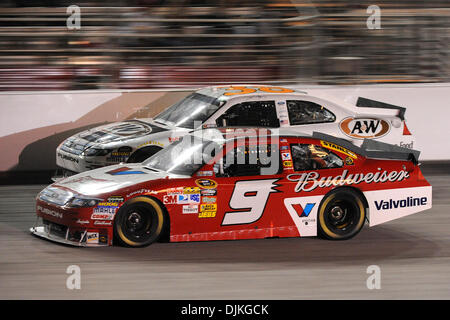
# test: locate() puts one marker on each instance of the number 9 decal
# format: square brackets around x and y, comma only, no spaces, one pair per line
[250,198]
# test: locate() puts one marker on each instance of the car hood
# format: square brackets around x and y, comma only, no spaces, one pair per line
[109,179]
[121,131]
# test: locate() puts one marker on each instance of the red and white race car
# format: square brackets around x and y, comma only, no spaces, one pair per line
[220,184]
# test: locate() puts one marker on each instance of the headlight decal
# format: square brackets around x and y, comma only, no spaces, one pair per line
[91,152]
[55,195]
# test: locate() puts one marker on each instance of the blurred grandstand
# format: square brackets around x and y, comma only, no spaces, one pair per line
[167,44]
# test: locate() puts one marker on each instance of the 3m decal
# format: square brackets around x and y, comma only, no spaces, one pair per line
[249,198]
[170,199]
[124,171]
[206,183]
[311,180]
[338,148]
[364,128]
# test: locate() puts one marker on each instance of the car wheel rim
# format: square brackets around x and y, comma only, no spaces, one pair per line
[341,216]
[137,224]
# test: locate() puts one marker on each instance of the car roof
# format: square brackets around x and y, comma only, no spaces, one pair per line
[222,92]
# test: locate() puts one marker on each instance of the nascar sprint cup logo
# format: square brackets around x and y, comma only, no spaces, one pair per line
[364,128]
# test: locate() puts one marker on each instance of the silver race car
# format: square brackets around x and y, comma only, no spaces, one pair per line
[234,106]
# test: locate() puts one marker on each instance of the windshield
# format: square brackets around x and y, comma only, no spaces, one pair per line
[183,157]
[194,109]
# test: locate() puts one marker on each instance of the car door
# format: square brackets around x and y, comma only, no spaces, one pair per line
[245,194]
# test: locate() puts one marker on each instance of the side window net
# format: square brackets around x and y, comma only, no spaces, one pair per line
[313,157]
[248,161]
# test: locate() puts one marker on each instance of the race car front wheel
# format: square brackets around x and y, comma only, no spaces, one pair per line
[139,222]
[341,215]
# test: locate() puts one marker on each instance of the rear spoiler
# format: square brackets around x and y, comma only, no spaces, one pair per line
[373,149]
[368,103]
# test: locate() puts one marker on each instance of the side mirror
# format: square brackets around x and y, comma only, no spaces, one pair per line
[222,121]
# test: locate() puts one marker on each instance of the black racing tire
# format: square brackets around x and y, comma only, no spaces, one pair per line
[139,222]
[143,154]
[341,215]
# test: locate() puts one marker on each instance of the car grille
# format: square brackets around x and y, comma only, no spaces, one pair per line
[55,229]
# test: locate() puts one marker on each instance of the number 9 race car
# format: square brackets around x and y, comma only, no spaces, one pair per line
[223,184]
[134,141]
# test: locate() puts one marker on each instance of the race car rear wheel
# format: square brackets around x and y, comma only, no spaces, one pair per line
[341,215]
[139,222]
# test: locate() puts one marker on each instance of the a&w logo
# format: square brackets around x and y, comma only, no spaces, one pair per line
[364,128]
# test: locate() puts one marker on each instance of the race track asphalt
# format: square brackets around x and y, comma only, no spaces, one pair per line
[413,254]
